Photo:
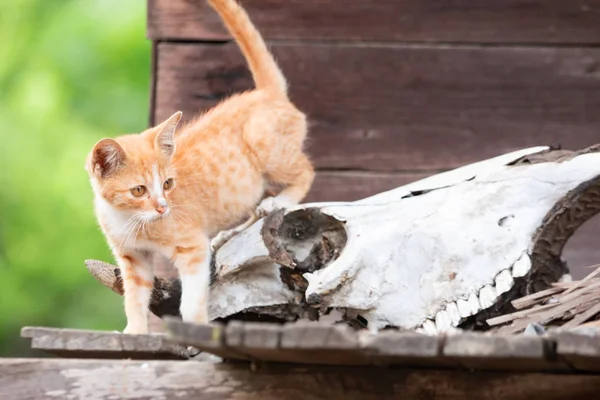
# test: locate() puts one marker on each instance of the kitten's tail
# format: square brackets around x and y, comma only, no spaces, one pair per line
[265,71]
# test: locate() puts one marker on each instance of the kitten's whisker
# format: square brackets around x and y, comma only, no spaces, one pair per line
[125,241]
[126,229]
[138,229]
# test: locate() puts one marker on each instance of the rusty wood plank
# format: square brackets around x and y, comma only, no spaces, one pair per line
[75,343]
[28,379]
[508,21]
[398,108]
[508,353]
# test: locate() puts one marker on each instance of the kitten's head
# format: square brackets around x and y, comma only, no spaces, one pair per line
[134,173]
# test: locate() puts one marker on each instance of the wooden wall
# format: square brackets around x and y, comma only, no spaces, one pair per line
[397,90]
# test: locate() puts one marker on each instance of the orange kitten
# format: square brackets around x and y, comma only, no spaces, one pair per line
[163,192]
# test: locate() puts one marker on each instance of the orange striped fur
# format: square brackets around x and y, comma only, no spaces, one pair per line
[170,190]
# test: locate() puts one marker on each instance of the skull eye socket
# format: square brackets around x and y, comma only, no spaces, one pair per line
[138,191]
[168,184]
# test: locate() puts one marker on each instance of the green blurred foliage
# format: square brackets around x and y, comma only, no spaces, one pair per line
[71,72]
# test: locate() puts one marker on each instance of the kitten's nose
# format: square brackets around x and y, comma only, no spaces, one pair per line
[161,209]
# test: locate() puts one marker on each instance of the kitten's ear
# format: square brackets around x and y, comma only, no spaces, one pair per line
[165,139]
[107,156]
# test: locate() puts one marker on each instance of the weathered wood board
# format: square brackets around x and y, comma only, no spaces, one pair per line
[507,353]
[409,108]
[354,185]
[475,21]
[77,343]
[313,343]
[29,379]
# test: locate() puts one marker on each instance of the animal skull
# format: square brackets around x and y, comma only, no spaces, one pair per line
[424,256]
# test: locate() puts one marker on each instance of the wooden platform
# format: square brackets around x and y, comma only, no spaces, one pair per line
[303,361]
[318,344]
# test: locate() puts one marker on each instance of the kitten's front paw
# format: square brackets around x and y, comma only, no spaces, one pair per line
[270,204]
[220,239]
[133,329]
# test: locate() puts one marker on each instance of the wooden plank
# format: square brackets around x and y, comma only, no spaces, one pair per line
[321,344]
[206,338]
[300,342]
[356,185]
[475,21]
[393,108]
[75,343]
[585,281]
[580,351]
[314,343]
[508,353]
[33,379]
[535,298]
[406,349]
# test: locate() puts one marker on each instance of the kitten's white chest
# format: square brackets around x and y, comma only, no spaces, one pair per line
[114,222]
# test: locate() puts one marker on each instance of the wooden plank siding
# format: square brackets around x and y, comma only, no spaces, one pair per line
[472,21]
[355,185]
[406,107]
[399,90]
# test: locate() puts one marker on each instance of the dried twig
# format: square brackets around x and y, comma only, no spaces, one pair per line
[573,304]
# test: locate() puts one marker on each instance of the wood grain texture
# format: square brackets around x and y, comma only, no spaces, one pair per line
[509,353]
[76,343]
[319,343]
[356,185]
[580,351]
[29,379]
[418,108]
[475,21]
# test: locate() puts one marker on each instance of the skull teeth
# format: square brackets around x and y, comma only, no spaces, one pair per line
[487,296]
[504,282]
[442,321]
[451,315]
[429,327]
[521,267]
[464,308]
[474,304]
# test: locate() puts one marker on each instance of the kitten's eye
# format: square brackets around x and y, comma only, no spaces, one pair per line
[168,184]
[138,191]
